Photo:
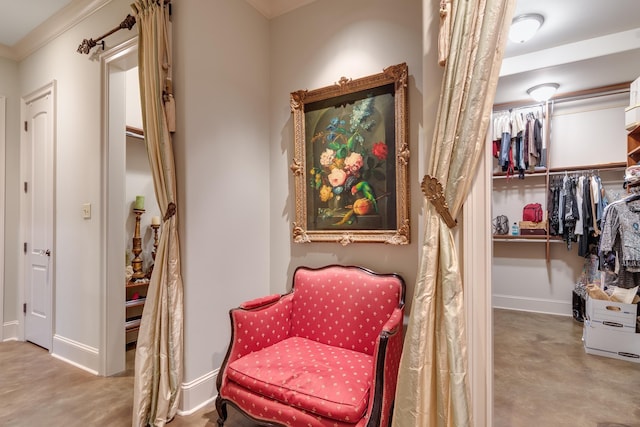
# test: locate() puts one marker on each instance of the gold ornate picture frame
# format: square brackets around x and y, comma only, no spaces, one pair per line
[351,160]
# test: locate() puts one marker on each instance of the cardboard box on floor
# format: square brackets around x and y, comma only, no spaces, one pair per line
[610,330]
[609,343]
[612,314]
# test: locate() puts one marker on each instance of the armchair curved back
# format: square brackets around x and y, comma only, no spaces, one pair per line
[344,306]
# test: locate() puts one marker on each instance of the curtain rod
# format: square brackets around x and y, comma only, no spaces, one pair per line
[128,23]
[88,44]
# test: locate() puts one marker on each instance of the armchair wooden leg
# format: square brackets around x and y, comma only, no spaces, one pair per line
[221,408]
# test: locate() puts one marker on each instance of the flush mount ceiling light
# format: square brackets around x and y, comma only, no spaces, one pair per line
[524,27]
[543,92]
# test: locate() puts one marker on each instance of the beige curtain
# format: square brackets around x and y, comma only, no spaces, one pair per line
[158,361]
[433,388]
[445,30]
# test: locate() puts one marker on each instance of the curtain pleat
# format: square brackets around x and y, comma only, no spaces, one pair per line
[433,385]
[159,349]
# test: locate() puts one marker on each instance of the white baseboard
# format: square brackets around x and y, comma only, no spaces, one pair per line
[77,354]
[10,331]
[198,393]
[536,305]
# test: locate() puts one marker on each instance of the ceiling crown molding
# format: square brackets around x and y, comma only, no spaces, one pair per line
[273,8]
[7,52]
[60,22]
[78,10]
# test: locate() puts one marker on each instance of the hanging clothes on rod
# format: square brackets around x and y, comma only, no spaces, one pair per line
[518,140]
[619,248]
[576,204]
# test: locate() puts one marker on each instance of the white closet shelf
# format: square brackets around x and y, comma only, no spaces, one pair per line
[527,239]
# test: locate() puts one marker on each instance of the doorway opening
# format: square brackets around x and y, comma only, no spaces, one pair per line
[115,64]
[129,207]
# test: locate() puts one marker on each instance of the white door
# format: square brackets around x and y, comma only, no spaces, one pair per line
[38,189]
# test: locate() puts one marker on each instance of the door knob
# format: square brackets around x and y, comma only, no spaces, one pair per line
[47,252]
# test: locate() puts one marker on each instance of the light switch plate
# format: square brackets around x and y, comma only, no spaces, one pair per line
[86,211]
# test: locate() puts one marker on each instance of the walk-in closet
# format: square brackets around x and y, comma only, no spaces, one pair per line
[566,326]
[583,139]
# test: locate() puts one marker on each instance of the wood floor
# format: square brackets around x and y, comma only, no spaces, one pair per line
[543,378]
[37,389]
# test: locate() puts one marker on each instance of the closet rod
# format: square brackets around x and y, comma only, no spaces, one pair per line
[529,108]
[134,132]
[571,96]
[602,166]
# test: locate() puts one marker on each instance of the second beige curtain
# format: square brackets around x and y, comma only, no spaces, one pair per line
[432,383]
[159,350]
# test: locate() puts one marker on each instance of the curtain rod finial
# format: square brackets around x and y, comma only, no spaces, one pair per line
[86,46]
[128,22]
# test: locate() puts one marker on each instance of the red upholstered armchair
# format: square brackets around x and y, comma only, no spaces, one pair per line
[325,354]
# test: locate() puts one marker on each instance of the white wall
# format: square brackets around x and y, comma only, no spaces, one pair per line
[587,132]
[221,82]
[132,98]
[9,89]
[313,47]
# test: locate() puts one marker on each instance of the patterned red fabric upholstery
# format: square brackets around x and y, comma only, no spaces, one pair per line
[263,408]
[259,327]
[344,308]
[326,354]
[258,302]
[319,378]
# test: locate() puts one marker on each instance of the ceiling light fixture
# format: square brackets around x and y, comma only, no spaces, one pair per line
[524,27]
[543,92]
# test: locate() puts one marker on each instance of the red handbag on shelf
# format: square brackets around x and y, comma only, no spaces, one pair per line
[532,212]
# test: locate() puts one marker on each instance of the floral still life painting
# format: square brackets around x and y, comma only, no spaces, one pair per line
[351,161]
[350,175]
